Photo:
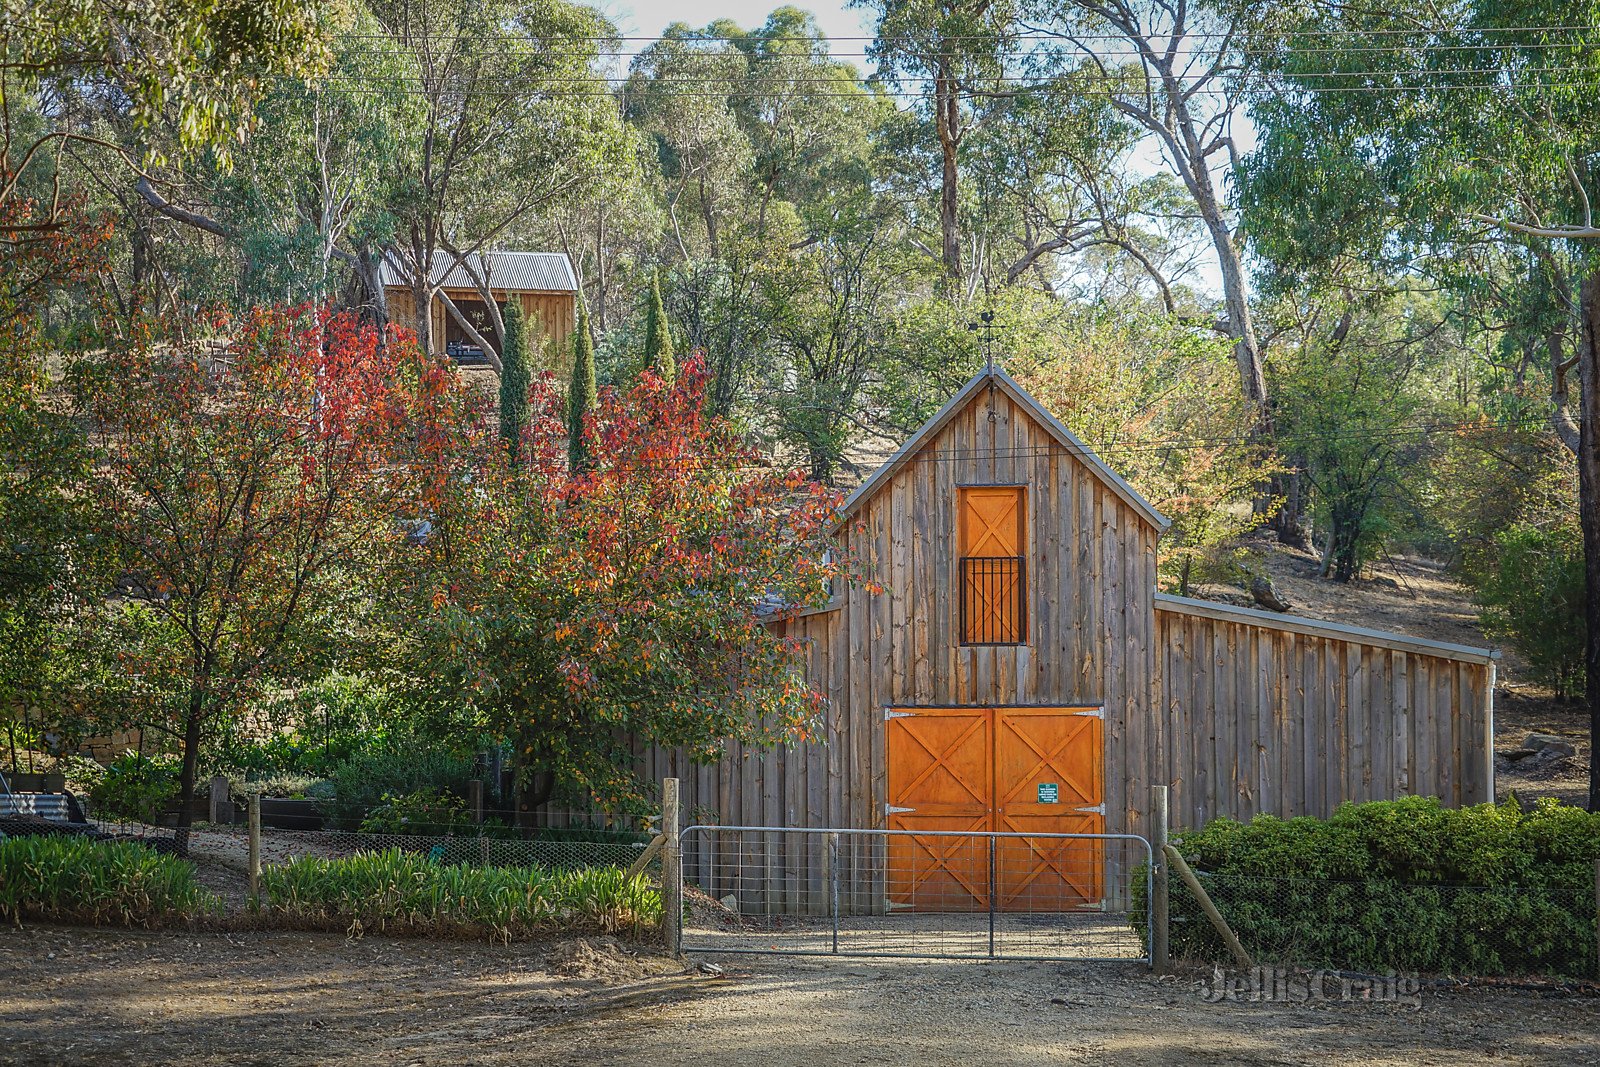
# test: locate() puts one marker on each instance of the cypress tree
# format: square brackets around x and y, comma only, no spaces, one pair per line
[583,395]
[516,374]
[658,335]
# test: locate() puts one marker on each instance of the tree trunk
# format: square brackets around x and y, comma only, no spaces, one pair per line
[191,763]
[1589,514]
[1289,522]
[947,123]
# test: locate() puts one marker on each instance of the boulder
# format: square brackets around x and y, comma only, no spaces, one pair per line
[1539,741]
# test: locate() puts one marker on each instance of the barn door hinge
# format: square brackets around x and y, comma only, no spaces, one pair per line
[1093,713]
[1098,809]
[890,809]
[891,713]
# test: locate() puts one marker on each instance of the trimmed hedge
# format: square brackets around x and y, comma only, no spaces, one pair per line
[401,891]
[1407,885]
[80,880]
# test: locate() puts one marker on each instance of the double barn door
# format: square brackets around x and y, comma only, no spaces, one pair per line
[1004,770]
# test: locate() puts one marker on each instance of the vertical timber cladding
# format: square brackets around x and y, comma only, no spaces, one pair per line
[1272,714]
[1090,556]
[1005,770]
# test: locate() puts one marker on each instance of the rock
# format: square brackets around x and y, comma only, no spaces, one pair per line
[1540,741]
[1555,750]
[710,968]
[730,902]
[1514,754]
[1262,591]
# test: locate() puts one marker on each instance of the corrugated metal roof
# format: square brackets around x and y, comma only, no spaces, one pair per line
[523,271]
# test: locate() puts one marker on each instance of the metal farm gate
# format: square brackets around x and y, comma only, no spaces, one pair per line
[934,893]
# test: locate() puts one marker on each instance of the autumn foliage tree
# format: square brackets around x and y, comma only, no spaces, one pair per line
[585,610]
[239,486]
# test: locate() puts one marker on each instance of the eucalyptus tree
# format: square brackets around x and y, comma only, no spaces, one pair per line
[1420,133]
[760,140]
[1169,66]
[956,52]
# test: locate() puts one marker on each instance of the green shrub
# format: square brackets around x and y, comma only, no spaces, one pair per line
[434,812]
[358,785]
[79,880]
[1405,884]
[409,893]
[1532,594]
[135,787]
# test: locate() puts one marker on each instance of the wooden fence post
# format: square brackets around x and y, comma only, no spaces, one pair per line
[221,800]
[1240,956]
[255,849]
[475,800]
[671,868]
[1159,951]
[1597,917]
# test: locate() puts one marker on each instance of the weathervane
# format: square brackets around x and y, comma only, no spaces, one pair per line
[987,325]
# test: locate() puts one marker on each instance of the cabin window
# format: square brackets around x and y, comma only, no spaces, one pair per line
[991,528]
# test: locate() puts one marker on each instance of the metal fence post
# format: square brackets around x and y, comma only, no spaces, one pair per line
[255,849]
[1159,951]
[991,896]
[833,889]
[671,868]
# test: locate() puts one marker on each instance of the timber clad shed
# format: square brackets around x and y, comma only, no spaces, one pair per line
[542,281]
[1020,672]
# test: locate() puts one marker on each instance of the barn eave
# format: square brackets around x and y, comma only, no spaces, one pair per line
[1211,609]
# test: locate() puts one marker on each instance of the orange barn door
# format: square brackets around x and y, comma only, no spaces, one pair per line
[1049,779]
[1010,770]
[941,777]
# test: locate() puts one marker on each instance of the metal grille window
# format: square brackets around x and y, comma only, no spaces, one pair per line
[994,579]
[992,609]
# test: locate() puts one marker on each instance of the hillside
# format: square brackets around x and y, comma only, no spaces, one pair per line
[1416,596]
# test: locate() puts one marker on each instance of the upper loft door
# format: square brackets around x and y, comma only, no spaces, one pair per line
[992,534]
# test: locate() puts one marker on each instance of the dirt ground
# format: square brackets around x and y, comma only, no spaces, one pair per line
[97,996]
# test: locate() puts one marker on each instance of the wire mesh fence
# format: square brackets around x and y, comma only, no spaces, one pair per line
[914,893]
[1375,925]
[586,840]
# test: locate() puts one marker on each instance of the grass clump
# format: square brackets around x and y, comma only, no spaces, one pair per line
[79,880]
[405,892]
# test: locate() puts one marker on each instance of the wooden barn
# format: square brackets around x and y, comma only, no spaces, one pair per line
[1020,672]
[543,281]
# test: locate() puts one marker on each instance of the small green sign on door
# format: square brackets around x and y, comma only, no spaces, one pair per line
[1049,793]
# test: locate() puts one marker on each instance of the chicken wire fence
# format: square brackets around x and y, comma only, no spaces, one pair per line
[956,894]
[567,847]
[1376,925]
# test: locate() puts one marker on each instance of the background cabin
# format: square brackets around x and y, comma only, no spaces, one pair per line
[543,281]
[1020,672]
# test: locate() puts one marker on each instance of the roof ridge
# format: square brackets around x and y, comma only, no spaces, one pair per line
[1065,437]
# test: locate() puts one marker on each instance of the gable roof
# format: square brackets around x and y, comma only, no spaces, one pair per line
[1022,398]
[519,271]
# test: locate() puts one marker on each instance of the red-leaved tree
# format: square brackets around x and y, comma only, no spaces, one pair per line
[240,487]
[629,603]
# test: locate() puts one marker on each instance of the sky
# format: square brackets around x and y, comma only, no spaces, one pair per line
[647,18]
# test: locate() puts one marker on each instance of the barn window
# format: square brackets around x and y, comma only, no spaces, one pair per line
[994,580]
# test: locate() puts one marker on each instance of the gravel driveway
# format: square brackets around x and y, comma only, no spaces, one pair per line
[77,996]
